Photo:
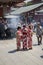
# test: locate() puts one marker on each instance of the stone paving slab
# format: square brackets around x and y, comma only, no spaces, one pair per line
[9,55]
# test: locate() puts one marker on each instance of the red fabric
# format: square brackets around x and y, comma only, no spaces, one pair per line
[24,31]
[29,35]
[19,38]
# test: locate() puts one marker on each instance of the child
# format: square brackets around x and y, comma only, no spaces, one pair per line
[18,37]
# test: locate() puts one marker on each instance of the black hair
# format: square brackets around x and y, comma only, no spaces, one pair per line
[24,25]
[18,28]
[29,27]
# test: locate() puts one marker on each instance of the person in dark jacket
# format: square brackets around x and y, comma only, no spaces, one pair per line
[39,33]
[2,30]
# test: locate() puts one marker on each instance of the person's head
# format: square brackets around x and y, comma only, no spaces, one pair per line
[24,26]
[29,27]
[18,28]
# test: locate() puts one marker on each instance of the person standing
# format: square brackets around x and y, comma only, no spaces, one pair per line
[29,37]
[18,37]
[2,30]
[39,33]
[24,32]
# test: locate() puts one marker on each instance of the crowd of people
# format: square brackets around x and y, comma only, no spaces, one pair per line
[24,34]
[4,31]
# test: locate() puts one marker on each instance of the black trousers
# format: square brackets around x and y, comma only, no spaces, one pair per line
[39,38]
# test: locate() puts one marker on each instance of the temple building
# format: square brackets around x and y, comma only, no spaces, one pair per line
[5,5]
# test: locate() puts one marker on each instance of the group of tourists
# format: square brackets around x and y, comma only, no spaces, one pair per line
[25,34]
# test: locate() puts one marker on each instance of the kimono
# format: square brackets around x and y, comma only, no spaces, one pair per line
[18,38]
[29,38]
[24,32]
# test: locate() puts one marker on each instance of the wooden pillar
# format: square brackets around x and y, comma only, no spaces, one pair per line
[1,12]
[26,17]
[6,9]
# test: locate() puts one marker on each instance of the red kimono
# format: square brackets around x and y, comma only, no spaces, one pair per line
[29,38]
[18,38]
[24,32]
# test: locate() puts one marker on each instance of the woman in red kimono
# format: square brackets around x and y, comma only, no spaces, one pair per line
[29,37]
[24,32]
[18,37]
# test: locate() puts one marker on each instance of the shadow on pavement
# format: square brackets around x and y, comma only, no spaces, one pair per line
[42,48]
[13,51]
[35,44]
[41,56]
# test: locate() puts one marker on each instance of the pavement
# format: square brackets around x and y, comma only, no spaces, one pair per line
[9,55]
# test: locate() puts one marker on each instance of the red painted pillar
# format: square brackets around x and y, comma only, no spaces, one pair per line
[1,11]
